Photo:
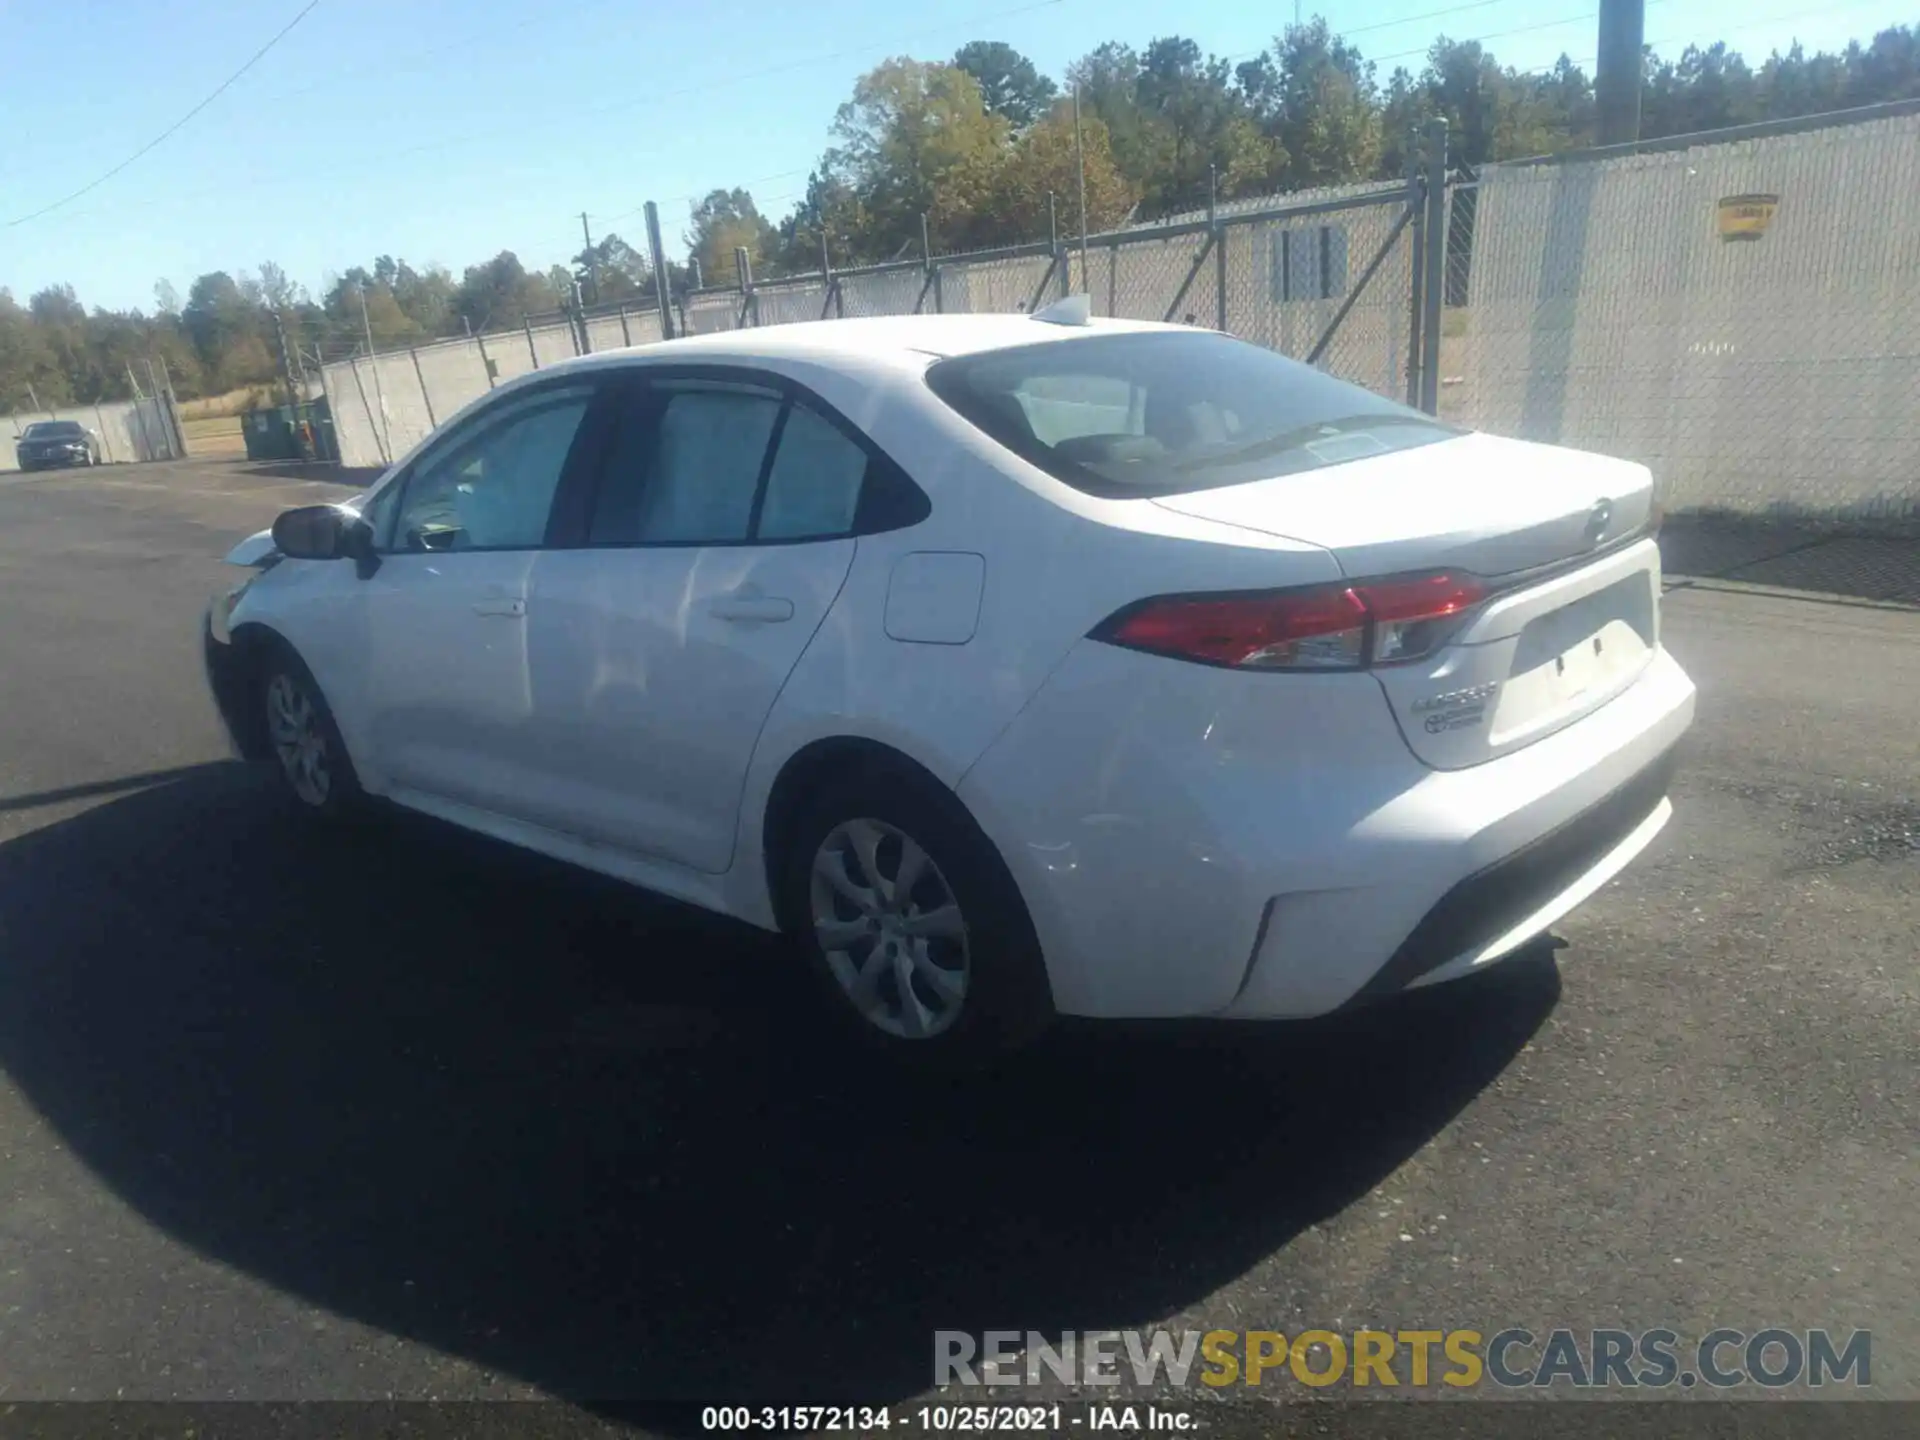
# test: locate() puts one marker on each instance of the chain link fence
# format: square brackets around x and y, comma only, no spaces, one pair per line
[140,429]
[1294,275]
[1740,311]
[1741,314]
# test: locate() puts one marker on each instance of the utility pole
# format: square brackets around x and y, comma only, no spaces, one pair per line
[593,261]
[1080,160]
[660,283]
[1616,80]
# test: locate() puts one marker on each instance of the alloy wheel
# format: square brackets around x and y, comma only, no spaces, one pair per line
[890,928]
[293,725]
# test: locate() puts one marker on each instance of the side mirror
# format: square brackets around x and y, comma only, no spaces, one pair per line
[325,532]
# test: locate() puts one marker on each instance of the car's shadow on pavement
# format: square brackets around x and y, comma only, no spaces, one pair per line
[590,1139]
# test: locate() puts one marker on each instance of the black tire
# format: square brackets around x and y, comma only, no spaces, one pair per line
[1007,1001]
[338,796]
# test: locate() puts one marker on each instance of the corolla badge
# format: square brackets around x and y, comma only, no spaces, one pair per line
[1597,521]
[1456,709]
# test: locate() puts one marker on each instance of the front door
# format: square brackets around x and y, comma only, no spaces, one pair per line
[448,698]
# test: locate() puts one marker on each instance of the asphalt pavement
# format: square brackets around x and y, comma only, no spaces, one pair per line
[401,1112]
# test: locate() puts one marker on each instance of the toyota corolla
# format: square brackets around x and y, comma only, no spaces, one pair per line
[1012,666]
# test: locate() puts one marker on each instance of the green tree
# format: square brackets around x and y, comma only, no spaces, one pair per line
[724,221]
[499,293]
[916,139]
[620,273]
[1010,86]
[1315,97]
[28,367]
[1046,161]
[1177,124]
[225,328]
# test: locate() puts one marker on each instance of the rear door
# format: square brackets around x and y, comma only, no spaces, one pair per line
[708,554]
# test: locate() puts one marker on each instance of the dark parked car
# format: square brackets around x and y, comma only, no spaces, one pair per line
[50,444]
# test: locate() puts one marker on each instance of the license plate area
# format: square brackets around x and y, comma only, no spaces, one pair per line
[1577,657]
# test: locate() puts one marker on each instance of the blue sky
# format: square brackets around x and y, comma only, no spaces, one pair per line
[442,131]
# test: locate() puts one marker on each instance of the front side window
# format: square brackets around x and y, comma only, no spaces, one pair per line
[1163,413]
[493,491]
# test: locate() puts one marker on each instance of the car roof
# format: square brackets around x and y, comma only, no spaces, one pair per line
[908,340]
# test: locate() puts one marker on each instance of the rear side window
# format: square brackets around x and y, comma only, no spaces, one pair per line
[690,477]
[712,460]
[814,485]
[1161,413]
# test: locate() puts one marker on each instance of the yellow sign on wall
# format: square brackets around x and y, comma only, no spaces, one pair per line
[1746,217]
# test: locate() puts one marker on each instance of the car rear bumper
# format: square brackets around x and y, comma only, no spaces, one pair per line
[1208,842]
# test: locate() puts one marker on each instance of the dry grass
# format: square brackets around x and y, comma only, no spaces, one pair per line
[221,407]
[213,436]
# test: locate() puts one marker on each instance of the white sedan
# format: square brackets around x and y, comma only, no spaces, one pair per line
[1012,666]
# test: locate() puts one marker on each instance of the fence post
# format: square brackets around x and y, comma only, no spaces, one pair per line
[175,429]
[426,396]
[626,334]
[1219,249]
[1060,261]
[486,360]
[1113,280]
[660,278]
[106,451]
[333,414]
[749,300]
[582,337]
[142,442]
[372,424]
[526,323]
[1416,267]
[1433,261]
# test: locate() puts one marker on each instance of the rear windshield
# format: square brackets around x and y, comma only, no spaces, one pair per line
[1164,413]
[52,430]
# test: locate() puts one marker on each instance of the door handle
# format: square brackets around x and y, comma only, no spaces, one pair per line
[511,607]
[766,609]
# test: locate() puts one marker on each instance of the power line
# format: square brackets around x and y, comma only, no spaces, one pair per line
[218,91]
[308,177]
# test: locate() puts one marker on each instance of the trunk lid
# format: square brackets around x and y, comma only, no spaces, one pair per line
[1575,617]
[1476,502]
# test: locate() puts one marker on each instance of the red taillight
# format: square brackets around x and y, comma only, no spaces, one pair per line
[1333,627]
[1412,616]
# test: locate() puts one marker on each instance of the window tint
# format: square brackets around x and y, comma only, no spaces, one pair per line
[814,486]
[494,491]
[690,478]
[1064,407]
[1202,410]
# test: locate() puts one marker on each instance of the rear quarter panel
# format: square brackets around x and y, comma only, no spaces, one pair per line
[1055,564]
